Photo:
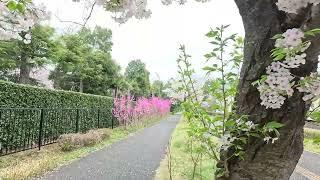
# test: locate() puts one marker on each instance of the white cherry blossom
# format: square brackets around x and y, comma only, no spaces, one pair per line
[226,140]
[295,62]
[293,6]
[267,139]
[279,83]
[250,124]
[274,139]
[310,86]
[13,23]
[291,38]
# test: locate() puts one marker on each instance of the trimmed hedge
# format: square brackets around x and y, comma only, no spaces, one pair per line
[24,96]
[63,112]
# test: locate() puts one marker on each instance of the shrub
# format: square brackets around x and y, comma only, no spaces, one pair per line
[91,137]
[126,110]
[69,142]
[104,132]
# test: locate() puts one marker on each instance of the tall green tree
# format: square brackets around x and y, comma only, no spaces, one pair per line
[16,56]
[85,63]
[138,77]
[158,89]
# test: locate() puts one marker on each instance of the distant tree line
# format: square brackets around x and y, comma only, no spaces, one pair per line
[78,61]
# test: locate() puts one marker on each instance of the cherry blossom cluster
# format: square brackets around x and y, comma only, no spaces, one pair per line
[126,110]
[174,90]
[293,6]
[16,25]
[276,86]
[124,9]
[228,139]
[279,83]
[288,54]
[310,85]
[168,2]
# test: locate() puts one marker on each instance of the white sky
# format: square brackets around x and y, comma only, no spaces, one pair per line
[156,40]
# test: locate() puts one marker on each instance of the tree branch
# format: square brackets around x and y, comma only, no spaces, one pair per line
[67,21]
[85,20]
[90,14]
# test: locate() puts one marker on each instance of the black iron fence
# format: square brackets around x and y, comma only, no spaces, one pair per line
[26,128]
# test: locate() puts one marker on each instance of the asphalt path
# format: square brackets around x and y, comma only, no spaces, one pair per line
[308,167]
[135,158]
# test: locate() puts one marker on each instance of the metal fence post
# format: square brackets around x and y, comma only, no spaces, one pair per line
[40,128]
[98,118]
[77,121]
[112,123]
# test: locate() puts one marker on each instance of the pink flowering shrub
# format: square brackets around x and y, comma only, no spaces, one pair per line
[127,111]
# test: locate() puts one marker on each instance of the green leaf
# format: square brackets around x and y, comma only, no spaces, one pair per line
[274,125]
[230,123]
[313,32]
[212,33]
[21,7]
[309,34]
[208,56]
[225,26]
[279,57]
[210,69]
[277,36]
[255,135]
[12,5]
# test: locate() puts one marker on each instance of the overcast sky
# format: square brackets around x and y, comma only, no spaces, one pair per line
[156,40]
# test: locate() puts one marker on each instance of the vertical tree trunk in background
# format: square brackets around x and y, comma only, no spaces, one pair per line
[116,92]
[81,85]
[262,20]
[24,76]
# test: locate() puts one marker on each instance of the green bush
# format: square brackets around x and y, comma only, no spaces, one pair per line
[19,128]
[24,96]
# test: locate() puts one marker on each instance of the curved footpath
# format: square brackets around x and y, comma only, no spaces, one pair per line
[135,158]
[138,157]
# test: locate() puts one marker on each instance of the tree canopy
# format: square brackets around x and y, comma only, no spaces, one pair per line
[17,55]
[158,88]
[85,63]
[138,77]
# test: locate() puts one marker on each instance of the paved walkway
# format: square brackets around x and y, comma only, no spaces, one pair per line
[135,158]
[308,167]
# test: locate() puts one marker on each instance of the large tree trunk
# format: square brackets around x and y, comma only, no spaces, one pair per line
[262,20]
[24,76]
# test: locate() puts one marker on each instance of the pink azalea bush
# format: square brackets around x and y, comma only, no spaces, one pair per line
[126,110]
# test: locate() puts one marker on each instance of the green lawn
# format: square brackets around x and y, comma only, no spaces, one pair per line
[312,140]
[181,161]
[182,166]
[28,164]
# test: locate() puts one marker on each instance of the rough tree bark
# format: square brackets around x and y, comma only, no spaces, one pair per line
[24,76]
[262,20]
